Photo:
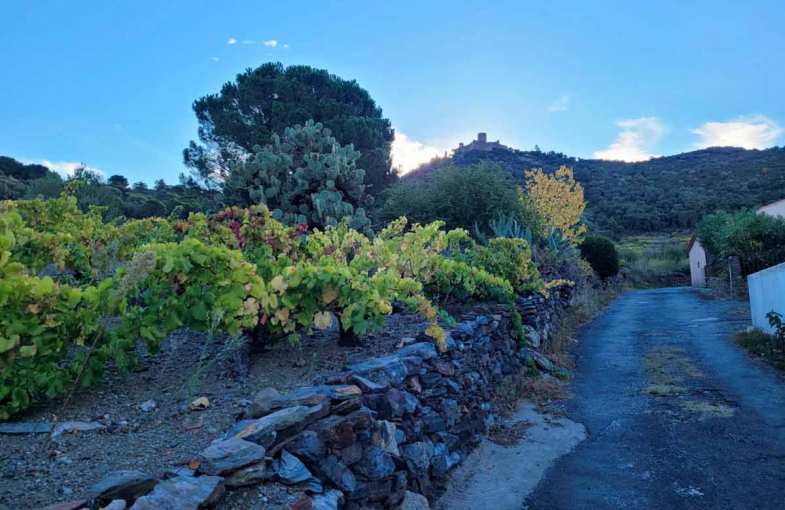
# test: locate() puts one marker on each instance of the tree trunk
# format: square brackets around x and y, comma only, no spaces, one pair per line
[348,338]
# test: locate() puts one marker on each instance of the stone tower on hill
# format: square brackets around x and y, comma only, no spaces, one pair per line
[480,144]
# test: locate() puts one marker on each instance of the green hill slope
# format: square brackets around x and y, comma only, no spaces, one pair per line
[663,194]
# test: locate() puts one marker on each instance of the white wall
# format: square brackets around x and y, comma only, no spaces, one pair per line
[698,264]
[767,293]
[775,209]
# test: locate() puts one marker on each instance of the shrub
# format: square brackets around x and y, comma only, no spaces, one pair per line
[458,281]
[776,322]
[462,197]
[559,200]
[56,232]
[510,259]
[757,239]
[601,253]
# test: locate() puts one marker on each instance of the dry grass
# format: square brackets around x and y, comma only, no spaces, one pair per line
[664,390]
[762,345]
[707,410]
[528,384]
[544,389]
[509,434]
[668,365]
[589,302]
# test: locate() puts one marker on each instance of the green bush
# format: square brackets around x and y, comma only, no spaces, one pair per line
[757,239]
[462,197]
[510,259]
[455,280]
[600,253]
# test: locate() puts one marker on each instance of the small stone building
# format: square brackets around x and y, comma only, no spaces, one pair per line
[698,260]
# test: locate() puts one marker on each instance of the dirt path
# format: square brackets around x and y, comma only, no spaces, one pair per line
[506,474]
[677,415]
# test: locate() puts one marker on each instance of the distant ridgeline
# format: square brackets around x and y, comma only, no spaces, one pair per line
[115,195]
[663,194]
[15,175]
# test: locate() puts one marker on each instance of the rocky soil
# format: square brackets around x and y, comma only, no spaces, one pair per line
[208,423]
[145,419]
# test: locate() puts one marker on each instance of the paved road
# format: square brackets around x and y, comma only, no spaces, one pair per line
[677,415]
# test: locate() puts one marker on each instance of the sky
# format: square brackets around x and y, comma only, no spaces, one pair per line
[110,84]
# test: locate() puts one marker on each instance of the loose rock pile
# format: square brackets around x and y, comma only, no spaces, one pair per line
[383,433]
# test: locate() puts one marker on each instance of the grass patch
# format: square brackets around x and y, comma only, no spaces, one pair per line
[763,346]
[664,390]
[655,261]
[707,409]
[667,365]
[588,302]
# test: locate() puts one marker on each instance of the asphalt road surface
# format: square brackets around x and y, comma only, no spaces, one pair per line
[677,416]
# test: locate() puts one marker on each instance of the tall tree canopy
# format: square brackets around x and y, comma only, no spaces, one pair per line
[266,100]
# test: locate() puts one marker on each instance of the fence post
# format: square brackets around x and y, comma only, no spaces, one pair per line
[735,276]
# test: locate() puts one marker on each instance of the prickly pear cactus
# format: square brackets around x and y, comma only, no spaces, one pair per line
[304,176]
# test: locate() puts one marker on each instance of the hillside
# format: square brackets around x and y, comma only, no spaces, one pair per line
[115,194]
[663,194]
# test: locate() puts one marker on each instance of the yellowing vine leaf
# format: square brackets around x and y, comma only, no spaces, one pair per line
[322,320]
[282,315]
[279,284]
[329,294]
[251,306]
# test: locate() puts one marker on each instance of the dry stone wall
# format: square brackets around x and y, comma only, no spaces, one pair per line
[383,433]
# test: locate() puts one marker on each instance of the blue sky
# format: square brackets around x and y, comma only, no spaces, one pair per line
[110,84]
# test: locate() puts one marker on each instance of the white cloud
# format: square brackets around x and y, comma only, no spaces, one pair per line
[215,59]
[635,141]
[64,168]
[270,43]
[750,132]
[408,154]
[560,105]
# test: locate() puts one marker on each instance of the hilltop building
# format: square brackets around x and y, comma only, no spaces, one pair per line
[480,144]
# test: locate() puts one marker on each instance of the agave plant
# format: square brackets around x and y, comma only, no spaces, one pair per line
[479,235]
[506,225]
